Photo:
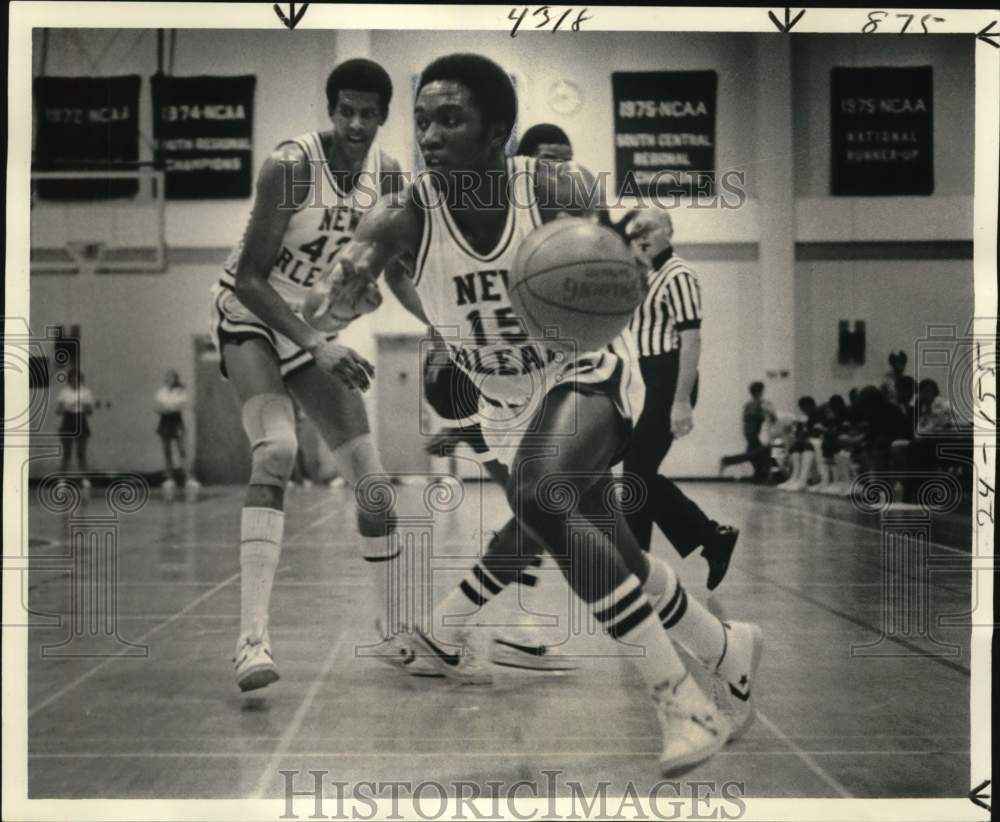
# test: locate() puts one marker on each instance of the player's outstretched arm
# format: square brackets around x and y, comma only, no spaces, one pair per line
[389,231]
[281,189]
[277,197]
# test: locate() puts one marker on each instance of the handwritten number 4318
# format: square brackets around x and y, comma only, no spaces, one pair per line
[542,17]
[876,17]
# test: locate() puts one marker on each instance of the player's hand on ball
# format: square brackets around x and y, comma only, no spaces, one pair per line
[681,418]
[345,364]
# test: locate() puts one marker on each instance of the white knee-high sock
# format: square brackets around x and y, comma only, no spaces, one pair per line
[463,604]
[261,531]
[355,460]
[684,617]
[628,617]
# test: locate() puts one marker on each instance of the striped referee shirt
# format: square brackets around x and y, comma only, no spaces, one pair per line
[672,305]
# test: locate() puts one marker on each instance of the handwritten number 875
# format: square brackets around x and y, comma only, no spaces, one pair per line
[873,21]
[546,18]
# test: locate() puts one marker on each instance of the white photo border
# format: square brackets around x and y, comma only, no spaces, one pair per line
[27,15]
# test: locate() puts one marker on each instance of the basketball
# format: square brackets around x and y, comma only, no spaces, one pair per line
[575,280]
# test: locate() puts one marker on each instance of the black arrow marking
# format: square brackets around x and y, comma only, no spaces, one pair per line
[790,21]
[985,34]
[975,795]
[292,19]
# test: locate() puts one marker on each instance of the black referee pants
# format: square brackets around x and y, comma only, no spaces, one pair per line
[678,517]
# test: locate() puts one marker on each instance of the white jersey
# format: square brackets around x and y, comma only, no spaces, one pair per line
[465,296]
[319,228]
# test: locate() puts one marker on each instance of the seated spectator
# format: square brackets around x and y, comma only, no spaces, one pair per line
[905,389]
[853,412]
[883,423]
[825,443]
[933,411]
[802,451]
[934,423]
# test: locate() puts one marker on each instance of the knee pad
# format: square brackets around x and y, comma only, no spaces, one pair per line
[269,422]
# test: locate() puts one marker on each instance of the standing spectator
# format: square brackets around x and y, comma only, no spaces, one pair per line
[75,404]
[756,412]
[170,400]
[667,330]
[890,383]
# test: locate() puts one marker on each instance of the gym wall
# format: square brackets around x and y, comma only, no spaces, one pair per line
[136,326]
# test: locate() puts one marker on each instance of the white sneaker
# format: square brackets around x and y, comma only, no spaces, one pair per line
[735,674]
[398,651]
[461,662]
[253,662]
[792,485]
[191,489]
[693,727]
[338,482]
[519,647]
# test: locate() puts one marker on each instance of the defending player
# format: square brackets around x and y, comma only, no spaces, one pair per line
[311,194]
[465,109]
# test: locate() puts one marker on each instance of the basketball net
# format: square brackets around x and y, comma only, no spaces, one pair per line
[87,254]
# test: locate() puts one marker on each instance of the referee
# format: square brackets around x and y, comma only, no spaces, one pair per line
[667,329]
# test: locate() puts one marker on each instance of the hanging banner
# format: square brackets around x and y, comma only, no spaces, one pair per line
[882,128]
[86,123]
[203,131]
[664,131]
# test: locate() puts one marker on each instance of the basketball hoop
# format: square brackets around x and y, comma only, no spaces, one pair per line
[86,254]
[122,230]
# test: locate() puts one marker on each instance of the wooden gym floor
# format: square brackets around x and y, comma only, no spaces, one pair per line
[172,724]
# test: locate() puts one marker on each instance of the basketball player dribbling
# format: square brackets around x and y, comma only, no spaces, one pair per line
[578,410]
[310,196]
